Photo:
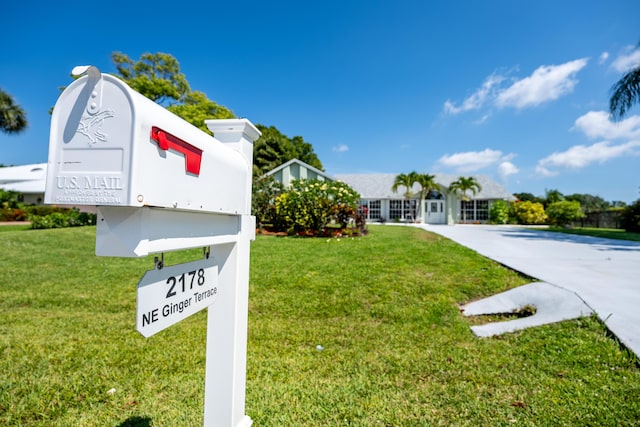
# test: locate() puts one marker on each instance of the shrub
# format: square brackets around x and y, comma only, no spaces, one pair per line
[263,201]
[630,217]
[499,212]
[528,213]
[9,199]
[13,214]
[564,212]
[311,205]
[62,217]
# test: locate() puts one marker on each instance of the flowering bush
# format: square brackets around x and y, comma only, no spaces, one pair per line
[528,213]
[310,206]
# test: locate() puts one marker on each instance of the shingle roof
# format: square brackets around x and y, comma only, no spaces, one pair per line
[378,186]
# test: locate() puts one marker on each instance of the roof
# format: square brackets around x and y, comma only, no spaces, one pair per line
[300,163]
[26,179]
[378,186]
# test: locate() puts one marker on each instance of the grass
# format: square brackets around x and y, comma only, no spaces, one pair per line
[607,233]
[14,227]
[395,349]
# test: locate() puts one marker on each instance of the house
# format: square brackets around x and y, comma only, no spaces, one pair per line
[27,180]
[380,203]
[440,207]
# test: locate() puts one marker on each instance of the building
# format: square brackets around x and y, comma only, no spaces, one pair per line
[380,203]
[27,180]
[440,207]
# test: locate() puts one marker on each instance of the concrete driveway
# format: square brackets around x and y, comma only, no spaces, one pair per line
[604,273]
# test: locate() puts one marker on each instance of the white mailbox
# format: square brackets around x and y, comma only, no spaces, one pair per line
[111,146]
[155,178]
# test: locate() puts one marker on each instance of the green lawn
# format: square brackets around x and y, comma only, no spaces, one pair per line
[384,307]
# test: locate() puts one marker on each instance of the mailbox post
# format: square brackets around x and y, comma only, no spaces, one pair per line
[161,184]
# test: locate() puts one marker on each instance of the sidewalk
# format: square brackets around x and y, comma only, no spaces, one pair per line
[604,273]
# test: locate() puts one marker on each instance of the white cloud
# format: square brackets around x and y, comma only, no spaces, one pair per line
[597,124]
[547,83]
[472,161]
[603,58]
[580,156]
[507,168]
[628,60]
[340,148]
[478,98]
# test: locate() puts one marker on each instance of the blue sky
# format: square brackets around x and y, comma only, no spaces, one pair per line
[516,90]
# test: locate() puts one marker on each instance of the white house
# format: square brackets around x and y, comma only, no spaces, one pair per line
[442,207]
[27,180]
[381,203]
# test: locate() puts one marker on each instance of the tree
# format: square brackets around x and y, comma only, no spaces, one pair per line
[13,119]
[197,108]
[304,151]
[405,180]
[590,204]
[625,93]
[552,196]
[564,212]
[155,75]
[461,186]
[274,148]
[528,197]
[427,183]
[630,217]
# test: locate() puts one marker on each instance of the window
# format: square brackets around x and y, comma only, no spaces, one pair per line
[402,209]
[482,210]
[371,209]
[474,210]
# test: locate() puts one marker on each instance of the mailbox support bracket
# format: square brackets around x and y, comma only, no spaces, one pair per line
[138,232]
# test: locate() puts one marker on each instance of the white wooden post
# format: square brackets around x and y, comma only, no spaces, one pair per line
[225,382]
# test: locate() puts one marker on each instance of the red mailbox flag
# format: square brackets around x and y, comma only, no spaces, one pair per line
[166,141]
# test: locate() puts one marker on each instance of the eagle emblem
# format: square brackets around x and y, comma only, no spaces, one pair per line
[91,126]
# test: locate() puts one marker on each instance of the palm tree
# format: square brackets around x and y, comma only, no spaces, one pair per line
[405,180]
[12,117]
[625,93]
[426,182]
[461,186]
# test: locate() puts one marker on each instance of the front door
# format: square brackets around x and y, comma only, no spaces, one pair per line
[435,212]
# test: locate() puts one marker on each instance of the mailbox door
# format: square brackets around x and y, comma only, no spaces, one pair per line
[90,145]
